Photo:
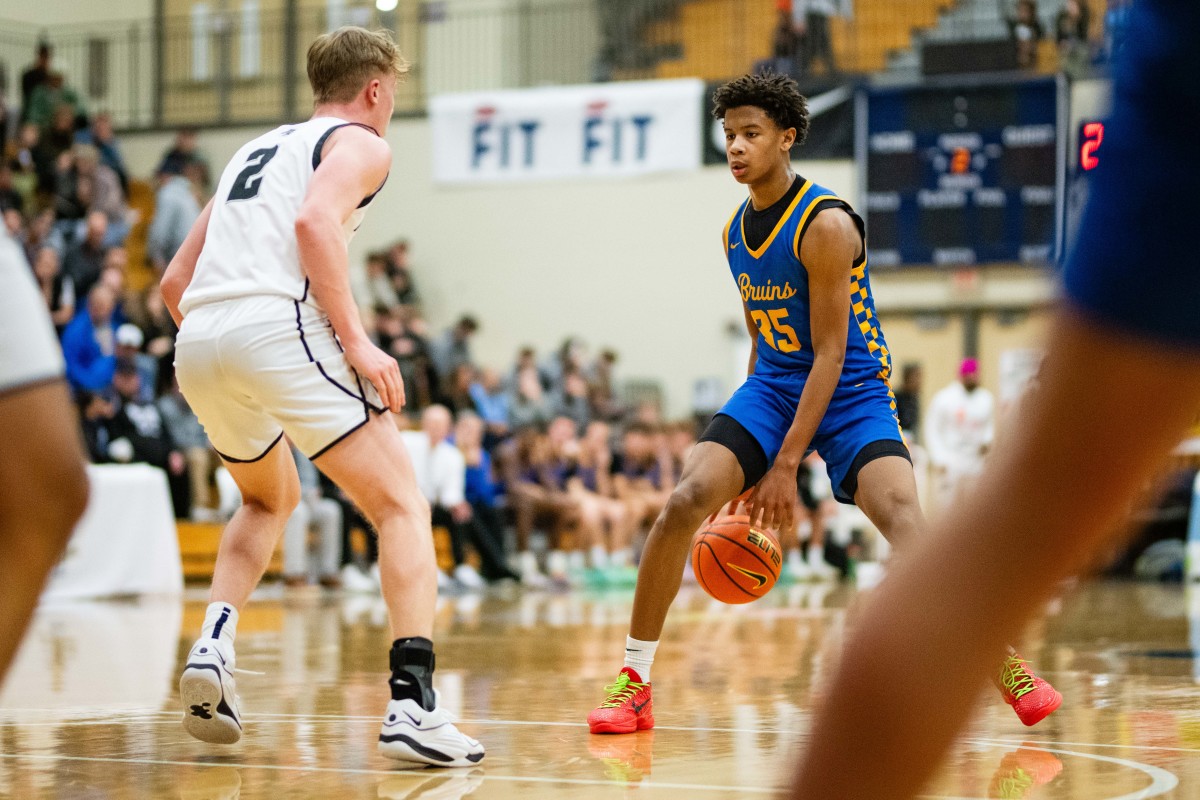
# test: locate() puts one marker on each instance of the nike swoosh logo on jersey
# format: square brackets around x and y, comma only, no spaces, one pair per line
[761,579]
[734,246]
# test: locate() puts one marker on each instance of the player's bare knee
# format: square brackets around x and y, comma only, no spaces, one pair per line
[687,503]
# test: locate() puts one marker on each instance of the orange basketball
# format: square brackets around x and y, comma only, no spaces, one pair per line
[734,561]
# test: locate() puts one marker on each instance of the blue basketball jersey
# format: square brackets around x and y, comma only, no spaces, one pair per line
[773,283]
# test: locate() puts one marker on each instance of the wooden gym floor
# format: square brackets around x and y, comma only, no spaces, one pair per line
[89,710]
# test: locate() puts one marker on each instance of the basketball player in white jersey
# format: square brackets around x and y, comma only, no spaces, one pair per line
[270,343]
[43,486]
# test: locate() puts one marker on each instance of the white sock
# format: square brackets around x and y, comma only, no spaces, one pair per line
[639,656]
[220,622]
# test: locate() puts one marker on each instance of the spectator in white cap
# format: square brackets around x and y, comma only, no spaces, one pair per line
[129,340]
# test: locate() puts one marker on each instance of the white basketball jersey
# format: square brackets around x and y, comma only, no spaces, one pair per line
[250,247]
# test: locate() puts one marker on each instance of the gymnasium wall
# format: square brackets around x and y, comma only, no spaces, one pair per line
[54,14]
[631,264]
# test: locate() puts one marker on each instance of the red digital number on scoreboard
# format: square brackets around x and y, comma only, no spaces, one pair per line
[1093,135]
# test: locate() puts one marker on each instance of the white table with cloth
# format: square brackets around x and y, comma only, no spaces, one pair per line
[126,543]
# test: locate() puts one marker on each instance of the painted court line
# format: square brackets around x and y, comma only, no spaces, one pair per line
[691,787]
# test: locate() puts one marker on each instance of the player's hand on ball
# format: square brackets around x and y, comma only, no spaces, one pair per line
[773,500]
[381,370]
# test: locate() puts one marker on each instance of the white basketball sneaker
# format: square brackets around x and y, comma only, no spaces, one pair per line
[210,705]
[410,733]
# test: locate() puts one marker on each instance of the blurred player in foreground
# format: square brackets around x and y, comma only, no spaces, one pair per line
[270,343]
[1056,489]
[43,486]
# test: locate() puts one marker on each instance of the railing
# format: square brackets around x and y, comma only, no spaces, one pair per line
[243,66]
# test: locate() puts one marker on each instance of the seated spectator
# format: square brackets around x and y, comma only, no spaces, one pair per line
[602,387]
[400,271]
[24,166]
[491,404]
[571,399]
[455,392]
[535,497]
[51,96]
[188,435]
[1071,30]
[51,154]
[527,359]
[400,332]
[10,198]
[810,20]
[453,348]
[57,288]
[561,455]
[129,339]
[184,152]
[176,209]
[1026,30]
[88,343]
[96,411]
[34,77]
[481,489]
[101,136]
[83,258]
[441,474]
[39,234]
[642,474]
[97,187]
[316,511]
[138,433]
[527,405]
[569,357]
[380,292]
[605,523]
[681,438]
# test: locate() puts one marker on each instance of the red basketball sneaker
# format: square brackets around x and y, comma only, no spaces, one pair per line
[627,708]
[1031,697]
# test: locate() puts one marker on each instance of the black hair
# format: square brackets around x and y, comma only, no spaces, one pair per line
[777,95]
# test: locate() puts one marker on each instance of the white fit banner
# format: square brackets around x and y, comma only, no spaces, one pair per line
[600,130]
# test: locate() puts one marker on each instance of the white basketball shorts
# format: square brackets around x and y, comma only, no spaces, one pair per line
[29,350]
[256,368]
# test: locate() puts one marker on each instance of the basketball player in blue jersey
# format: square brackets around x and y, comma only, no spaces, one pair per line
[818,380]
[270,343]
[1058,487]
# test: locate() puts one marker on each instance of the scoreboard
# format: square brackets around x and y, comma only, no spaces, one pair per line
[960,174]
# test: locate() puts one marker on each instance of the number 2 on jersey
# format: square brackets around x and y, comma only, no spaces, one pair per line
[249,180]
[774,319]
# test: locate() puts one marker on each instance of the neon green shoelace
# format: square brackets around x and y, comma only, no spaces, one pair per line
[1015,786]
[1016,678]
[621,691]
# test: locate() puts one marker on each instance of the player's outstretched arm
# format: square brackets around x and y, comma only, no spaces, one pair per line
[353,165]
[827,252]
[1058,485]
[178,274]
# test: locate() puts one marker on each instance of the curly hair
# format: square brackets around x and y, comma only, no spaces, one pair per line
[777,95]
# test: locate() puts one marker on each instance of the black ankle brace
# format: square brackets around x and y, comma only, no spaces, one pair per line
[412,663]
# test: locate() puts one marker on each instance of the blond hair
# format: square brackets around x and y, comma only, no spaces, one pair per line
[341,62]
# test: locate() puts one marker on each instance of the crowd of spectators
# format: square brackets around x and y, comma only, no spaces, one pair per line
[542,451]
[64,197]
